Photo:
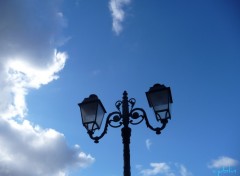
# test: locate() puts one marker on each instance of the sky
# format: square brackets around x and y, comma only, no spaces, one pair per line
[53,54]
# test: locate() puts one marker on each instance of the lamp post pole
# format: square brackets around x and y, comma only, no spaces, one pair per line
[92,112]
[126,134]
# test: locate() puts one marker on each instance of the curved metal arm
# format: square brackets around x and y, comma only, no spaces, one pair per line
[136,115]
[114,117]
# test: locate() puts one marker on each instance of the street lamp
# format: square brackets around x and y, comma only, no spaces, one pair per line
[92,111]
[160,99]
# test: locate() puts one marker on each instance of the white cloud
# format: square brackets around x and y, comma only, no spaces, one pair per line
[20,75]
[28,150]
[148,144]
[30,32]
[157,168]
[183,170]
[223,161]
[118,15]
[164,169]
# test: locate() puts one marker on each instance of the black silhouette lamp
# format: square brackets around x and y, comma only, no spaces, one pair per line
[160,99]
[92,111]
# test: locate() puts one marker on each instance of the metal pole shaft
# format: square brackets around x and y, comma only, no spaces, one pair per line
[126,134]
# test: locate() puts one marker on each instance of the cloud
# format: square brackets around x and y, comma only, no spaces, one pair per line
[164,169]
[30,33]
[148,144]
[28,150]
[18,76]
[157,168]
[223,161]
[118,15]
[183,170]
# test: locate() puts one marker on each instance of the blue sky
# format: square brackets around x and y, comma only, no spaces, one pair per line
[56,53]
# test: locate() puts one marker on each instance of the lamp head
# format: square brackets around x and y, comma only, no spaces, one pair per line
[160,99]
[92,112]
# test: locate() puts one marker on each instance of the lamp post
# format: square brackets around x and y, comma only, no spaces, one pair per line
[92,111]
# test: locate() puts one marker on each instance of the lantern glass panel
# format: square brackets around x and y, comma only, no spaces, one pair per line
[88,111]
[163,115]
[90,126]
[100,115]
[159,100]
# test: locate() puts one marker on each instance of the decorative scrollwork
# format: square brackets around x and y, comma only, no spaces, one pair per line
[118,105]
[133,116]
[114,117]
[132,102]
[137,115]
[114,120]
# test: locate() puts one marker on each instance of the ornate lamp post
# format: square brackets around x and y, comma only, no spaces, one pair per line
[92,112]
